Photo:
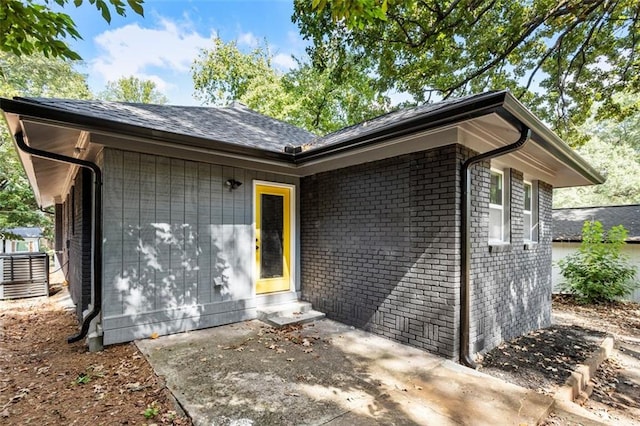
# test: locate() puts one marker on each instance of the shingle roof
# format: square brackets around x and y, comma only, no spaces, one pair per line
[26,232]
[235,124]
[240,131]
[383,121]
[567,223]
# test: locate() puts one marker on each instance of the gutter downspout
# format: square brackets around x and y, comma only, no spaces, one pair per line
[465,232]
[96,225]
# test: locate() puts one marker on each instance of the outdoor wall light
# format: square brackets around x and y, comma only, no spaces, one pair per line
[232,184]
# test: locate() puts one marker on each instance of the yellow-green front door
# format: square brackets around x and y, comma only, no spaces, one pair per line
[273,237]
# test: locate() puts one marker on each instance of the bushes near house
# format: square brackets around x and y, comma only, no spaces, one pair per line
[598,272]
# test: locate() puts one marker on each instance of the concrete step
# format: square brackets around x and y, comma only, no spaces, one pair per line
[288,314]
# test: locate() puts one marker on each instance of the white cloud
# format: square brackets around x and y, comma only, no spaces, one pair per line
[284,62]
[248,39]
[161,84]
[134,50]
[295,41]
[294,46]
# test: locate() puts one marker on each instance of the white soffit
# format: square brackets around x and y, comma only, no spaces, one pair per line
[480,134]
[492,131]
[420,141]
[50,179]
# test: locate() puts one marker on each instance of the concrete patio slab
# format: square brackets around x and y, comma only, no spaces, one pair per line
[328,373]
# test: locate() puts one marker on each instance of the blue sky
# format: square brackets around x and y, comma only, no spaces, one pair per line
[162,45]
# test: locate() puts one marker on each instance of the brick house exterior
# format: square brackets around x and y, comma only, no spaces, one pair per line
[379,247]
[381,251]
[75,251]
[205,208]
[512,291]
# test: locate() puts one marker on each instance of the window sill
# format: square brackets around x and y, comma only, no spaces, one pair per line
[499,247]
[530,245]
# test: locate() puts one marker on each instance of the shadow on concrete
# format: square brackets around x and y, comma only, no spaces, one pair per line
[327,373]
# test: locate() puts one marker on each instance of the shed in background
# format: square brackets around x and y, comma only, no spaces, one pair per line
[567,234]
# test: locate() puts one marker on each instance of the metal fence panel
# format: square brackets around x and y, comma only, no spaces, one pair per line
[24,275]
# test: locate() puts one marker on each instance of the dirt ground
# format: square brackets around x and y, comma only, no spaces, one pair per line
[542,360]
[45,381]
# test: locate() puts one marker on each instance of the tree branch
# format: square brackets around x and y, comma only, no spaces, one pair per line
[581,50]
[531,27]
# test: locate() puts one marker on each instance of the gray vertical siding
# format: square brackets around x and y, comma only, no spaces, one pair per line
[178,245]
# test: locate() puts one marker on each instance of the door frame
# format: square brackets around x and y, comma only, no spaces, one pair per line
[293,267]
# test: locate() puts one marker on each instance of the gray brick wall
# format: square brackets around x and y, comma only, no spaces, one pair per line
[380,250]
[77,240]
[510,288]
[379,247]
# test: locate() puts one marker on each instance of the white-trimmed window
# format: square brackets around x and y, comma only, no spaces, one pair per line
[497,207]
[530,212]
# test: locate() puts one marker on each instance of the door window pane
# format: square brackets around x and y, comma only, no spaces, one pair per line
[271,234]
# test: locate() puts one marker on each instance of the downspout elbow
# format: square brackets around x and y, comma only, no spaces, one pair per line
[97,226]
[465,232]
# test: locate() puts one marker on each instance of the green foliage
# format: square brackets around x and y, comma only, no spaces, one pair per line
[223,73]
[30,26]
[559,57]
[31,76]
[19,207]
[332,93]
[37,75]
[92,372]
[612,148]
[598,271]
[357,13]
[82,379]
[133,89]
[151,411]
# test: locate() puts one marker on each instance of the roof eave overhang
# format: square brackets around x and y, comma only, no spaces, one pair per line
[579,241]
[13,124]
[549,141]
[46,115]
[501,103]
[483,105]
